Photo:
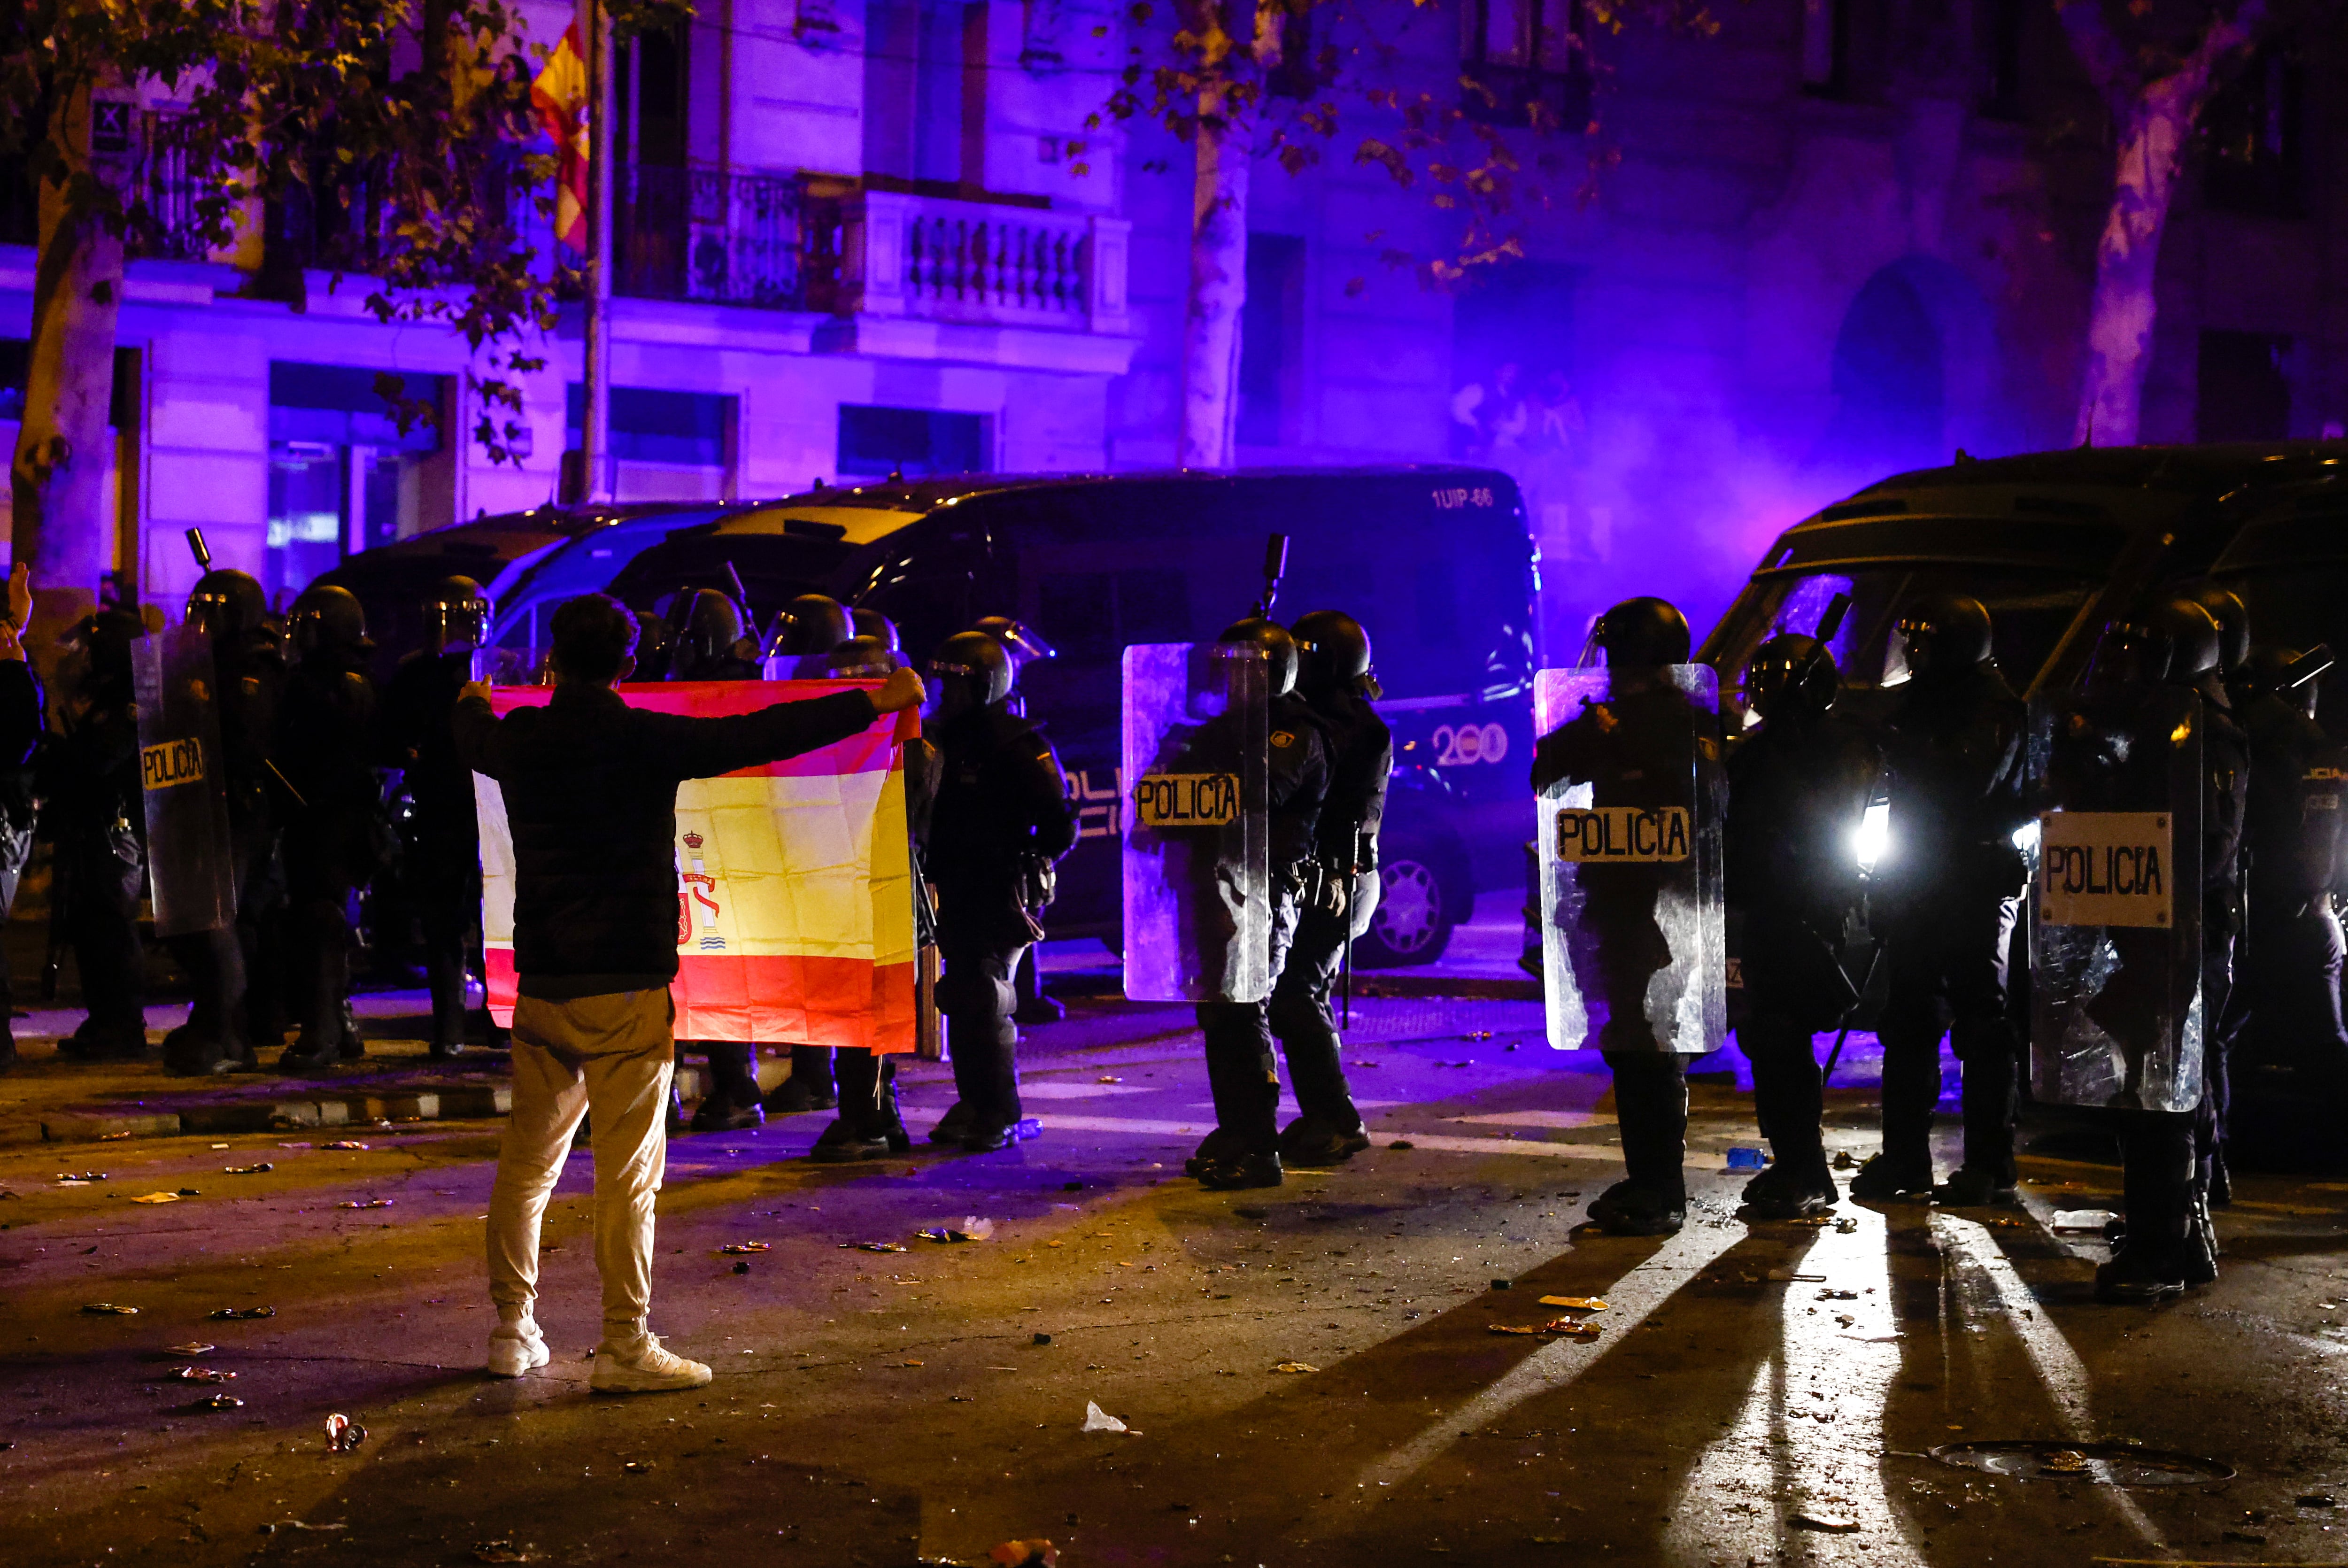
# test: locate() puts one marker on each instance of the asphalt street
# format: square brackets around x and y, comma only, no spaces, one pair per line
[1311,1375]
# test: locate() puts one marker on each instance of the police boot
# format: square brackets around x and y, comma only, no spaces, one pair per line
[1215,1148]
[1791,1190]
[2151,1260]
[1312,1140]
[809,1087]
[7,1047]
[955,1125]
[1240,1170]
[104,1040]
[731,1105]
[848,1140]
[191,1052]
[1973,1187]
[1887,1176]
[1636,1209]
[987,1135]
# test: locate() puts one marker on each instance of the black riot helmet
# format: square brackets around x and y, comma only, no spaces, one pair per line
[228,602]
[1791,678]
[96,669]
[811,623]
[1642,632]
[1334,654]
[711,643]
[328,622]
[873,624]
[863,657]
[456,616]
[1278,647]
[2233,618]
[1019,640]
[971,671]
[1944,634]
[2269,671]
[2194,639]
[655,644]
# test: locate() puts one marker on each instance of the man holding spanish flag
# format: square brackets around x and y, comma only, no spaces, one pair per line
[590,793]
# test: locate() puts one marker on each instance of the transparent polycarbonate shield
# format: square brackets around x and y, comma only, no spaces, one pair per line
[1197,830]
[2118,1017]
[1634,933]
[188,863]
[521,664]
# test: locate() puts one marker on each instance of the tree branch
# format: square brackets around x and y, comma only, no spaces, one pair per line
[2108,68]
[2228,34]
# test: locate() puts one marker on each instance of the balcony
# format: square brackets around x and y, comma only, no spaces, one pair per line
[900,274]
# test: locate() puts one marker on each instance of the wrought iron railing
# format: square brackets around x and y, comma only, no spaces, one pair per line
[726,236]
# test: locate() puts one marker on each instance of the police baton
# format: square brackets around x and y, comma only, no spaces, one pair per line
[1836,1054]
[1828,624]
[2310,665]
[1275,567]
[200,550]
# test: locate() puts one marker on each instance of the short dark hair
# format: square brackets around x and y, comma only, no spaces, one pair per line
[594,635]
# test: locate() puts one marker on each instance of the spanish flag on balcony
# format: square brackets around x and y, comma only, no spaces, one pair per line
[559,94]
[794,887]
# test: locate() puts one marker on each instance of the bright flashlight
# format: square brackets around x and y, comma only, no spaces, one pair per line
[1874,836]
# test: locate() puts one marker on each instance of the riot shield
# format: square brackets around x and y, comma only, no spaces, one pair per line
[190,864]
[1634,933]
[2116,1015]
[1197,830]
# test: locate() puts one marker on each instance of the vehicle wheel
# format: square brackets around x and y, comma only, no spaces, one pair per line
[1414,920]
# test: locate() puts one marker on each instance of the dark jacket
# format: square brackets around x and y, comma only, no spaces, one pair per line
[1796,795]
[1001,802]
[1954,750]
[23,718]
[417,740]
[589,786]
[2291,830]
[1361,761]
[326,751]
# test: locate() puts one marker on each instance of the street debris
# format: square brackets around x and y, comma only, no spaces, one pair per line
[297,1525]
[1563,1327]
[2064,1462]
[1504,1285]
[367,1203]
[1846,1226]
[499,1551]
[343,1435]
[738,1249]
[1477,1035]
[1742,1159]
[344,1143]
[971,1229]
[263,1169]
[156,1198]
[1838,1296]
[220,1402]
[1832,1524]
[1100,1420]
[1041,1339]
[2316,1500]
[107,1309]
[1783,1274]
[192,1347]
[1026,1555]
[1842,1160]
[1108,1078]
[2106,1464]
[240,1314]
[199,1374]
[2069,1221]
[1575,1303]
[1402,1143]
[1296,1367]
[84,1179]
[637,1467]
[871,1247]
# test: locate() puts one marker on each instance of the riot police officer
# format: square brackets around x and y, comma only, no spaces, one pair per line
[807,632]
[443,863]
[22,712]
[1334,679]
[2169,1243]
[1951,883]
[335,834]
[712,643]
[1243,1149]
[1001,824]
[95,813]
[2233,618]
[237,973]
[1630,746]
[1026,647]
[1798,784]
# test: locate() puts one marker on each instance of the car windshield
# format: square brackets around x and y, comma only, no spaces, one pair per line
[2029,612]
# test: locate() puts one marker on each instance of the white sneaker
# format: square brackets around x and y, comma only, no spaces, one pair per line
[515,1349]
[641,1367]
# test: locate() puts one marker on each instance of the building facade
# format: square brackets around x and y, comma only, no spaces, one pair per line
[858,237]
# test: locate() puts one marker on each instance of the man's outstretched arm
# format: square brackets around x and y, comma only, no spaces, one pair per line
[705,747]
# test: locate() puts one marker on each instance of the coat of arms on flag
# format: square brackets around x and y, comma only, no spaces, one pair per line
[795,881]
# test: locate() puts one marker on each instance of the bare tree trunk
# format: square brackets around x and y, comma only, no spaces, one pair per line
[2151,116]
[58,481]
[1211,329]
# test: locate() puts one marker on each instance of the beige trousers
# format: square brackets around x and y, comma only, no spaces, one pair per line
[612,1056]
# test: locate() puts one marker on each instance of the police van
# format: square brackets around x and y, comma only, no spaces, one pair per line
[2057,545]
[1435,561]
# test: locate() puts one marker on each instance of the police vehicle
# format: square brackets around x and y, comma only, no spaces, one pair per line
[1435,561]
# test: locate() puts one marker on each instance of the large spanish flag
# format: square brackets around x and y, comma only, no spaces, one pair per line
[795,883]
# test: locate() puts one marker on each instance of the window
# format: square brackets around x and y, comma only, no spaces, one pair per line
[343,476]
[666,446]
[1525,62]
[913,443]
[1090,617]
[2252,131]
[1270,339]
[2241,392]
